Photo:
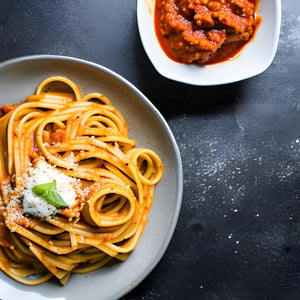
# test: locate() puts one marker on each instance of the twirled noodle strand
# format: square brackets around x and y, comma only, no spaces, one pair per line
[84,139]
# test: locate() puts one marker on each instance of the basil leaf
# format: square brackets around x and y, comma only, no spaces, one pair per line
[41,188]
[54,198]
[48,192]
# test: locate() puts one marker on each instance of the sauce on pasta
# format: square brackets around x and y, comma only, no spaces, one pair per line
[75,191]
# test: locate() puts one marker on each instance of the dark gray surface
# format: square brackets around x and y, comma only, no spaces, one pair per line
[238,234]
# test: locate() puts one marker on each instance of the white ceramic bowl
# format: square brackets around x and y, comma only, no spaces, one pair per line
[255,58]
[18,79]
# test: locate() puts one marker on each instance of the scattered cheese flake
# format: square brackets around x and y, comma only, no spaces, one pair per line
[70,160]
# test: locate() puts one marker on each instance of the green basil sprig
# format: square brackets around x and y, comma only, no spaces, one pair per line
[48,192]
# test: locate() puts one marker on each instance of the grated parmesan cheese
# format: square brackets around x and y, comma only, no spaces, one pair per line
[45,173]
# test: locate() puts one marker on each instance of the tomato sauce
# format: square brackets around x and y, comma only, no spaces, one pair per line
[204,31]
[6,109]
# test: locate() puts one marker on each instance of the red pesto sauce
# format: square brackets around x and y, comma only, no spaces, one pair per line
[210,33]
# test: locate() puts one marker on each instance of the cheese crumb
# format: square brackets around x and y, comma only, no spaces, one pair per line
[45,173]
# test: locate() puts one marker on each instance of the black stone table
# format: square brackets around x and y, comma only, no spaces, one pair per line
[238,233]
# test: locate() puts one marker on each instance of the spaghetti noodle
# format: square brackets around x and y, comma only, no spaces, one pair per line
[59,146]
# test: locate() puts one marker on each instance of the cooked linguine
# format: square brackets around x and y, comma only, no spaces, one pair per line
[75,192]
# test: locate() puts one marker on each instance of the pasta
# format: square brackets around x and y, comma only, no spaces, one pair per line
[75,191]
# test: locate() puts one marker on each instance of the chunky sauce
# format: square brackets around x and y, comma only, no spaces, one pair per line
[204,31]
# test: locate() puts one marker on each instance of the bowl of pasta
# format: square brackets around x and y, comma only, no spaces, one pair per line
[206,43]
[86,165]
